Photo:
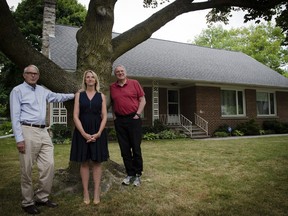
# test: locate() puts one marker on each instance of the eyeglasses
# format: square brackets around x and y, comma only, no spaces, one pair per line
[32,73]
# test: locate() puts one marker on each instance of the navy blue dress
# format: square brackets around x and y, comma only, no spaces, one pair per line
[90,117]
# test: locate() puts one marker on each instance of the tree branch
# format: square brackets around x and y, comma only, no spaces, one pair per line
[17,49]
[143,31]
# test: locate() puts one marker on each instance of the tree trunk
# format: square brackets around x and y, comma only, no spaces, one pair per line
[94,42]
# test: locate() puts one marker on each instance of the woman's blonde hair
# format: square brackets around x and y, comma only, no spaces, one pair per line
[97,84]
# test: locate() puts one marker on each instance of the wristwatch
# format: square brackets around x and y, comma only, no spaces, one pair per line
[139,115]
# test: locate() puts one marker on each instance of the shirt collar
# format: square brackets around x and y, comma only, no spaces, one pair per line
[126,83]
[29,86]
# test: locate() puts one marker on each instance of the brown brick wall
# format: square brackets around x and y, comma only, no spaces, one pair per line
[206,102]
[162,101]
[250,98]
[188,102]
[208,105]
[147,120]
[282,106]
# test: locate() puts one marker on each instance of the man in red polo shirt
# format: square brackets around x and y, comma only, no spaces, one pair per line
[128,101]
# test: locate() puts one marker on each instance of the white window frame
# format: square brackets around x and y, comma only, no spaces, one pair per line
[173,118]
[269,93]
[237,103]
[58,113]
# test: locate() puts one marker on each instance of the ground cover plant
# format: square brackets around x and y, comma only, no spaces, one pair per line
[242,176]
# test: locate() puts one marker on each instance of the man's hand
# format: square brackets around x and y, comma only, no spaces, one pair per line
[21,147]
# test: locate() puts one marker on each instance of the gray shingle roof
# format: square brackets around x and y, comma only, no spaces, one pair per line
[163,59]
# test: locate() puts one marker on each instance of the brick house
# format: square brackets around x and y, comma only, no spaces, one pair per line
[189,85]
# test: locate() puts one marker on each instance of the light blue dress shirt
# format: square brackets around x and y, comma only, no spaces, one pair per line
[28,104]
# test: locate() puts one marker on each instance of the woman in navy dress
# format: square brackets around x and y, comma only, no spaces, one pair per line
[89,142]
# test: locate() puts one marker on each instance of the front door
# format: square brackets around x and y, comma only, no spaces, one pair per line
[173,107]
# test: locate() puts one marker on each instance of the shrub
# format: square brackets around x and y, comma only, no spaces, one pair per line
[222,128]
[167,134]
[223,131]
[269,132]
[111,134]
[276,126]
[158,126]
[249,128]
[237,133]
[262,132]
[221,134]
[6,128]
[150,136]
[60,132]
[146,129]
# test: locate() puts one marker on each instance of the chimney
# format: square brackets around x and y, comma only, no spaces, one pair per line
[49,17]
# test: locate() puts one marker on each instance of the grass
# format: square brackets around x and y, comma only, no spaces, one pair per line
[181,177]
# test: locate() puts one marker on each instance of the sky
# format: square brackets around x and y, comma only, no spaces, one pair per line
[183,28]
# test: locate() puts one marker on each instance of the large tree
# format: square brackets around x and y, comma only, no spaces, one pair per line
[96,48]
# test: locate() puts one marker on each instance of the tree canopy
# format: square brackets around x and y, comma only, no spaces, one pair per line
[262,42]
[29,18]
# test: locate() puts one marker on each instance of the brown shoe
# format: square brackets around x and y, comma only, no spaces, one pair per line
[31,209]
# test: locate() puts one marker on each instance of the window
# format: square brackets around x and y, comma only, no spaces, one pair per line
[173,102]
[266,103]
[232,103]
[173,107]
[59,114]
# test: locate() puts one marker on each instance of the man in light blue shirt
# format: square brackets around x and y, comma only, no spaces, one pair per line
[28,114]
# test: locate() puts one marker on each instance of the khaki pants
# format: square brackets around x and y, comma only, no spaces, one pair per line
[38,148]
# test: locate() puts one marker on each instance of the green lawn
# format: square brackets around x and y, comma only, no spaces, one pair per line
[240,177]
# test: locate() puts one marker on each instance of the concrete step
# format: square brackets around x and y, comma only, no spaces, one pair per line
[197,133]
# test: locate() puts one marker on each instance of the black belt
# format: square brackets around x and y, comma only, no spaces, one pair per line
[34,125]
[125,116]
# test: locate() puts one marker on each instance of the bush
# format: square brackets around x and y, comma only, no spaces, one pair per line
[6,128]
[150,136]
[237,133]
[223,131]
[222,128]
[111,134]
[221,134]
[249,128]
[167,134]
[275,126]
[60,132]
[158,126]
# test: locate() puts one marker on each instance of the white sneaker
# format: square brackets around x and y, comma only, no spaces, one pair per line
[137,181]
[127,180]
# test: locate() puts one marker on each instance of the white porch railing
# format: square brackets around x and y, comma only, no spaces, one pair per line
[172,120]
[202,123]
[186,123]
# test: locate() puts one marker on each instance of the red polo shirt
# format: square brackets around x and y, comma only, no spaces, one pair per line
[125,99]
